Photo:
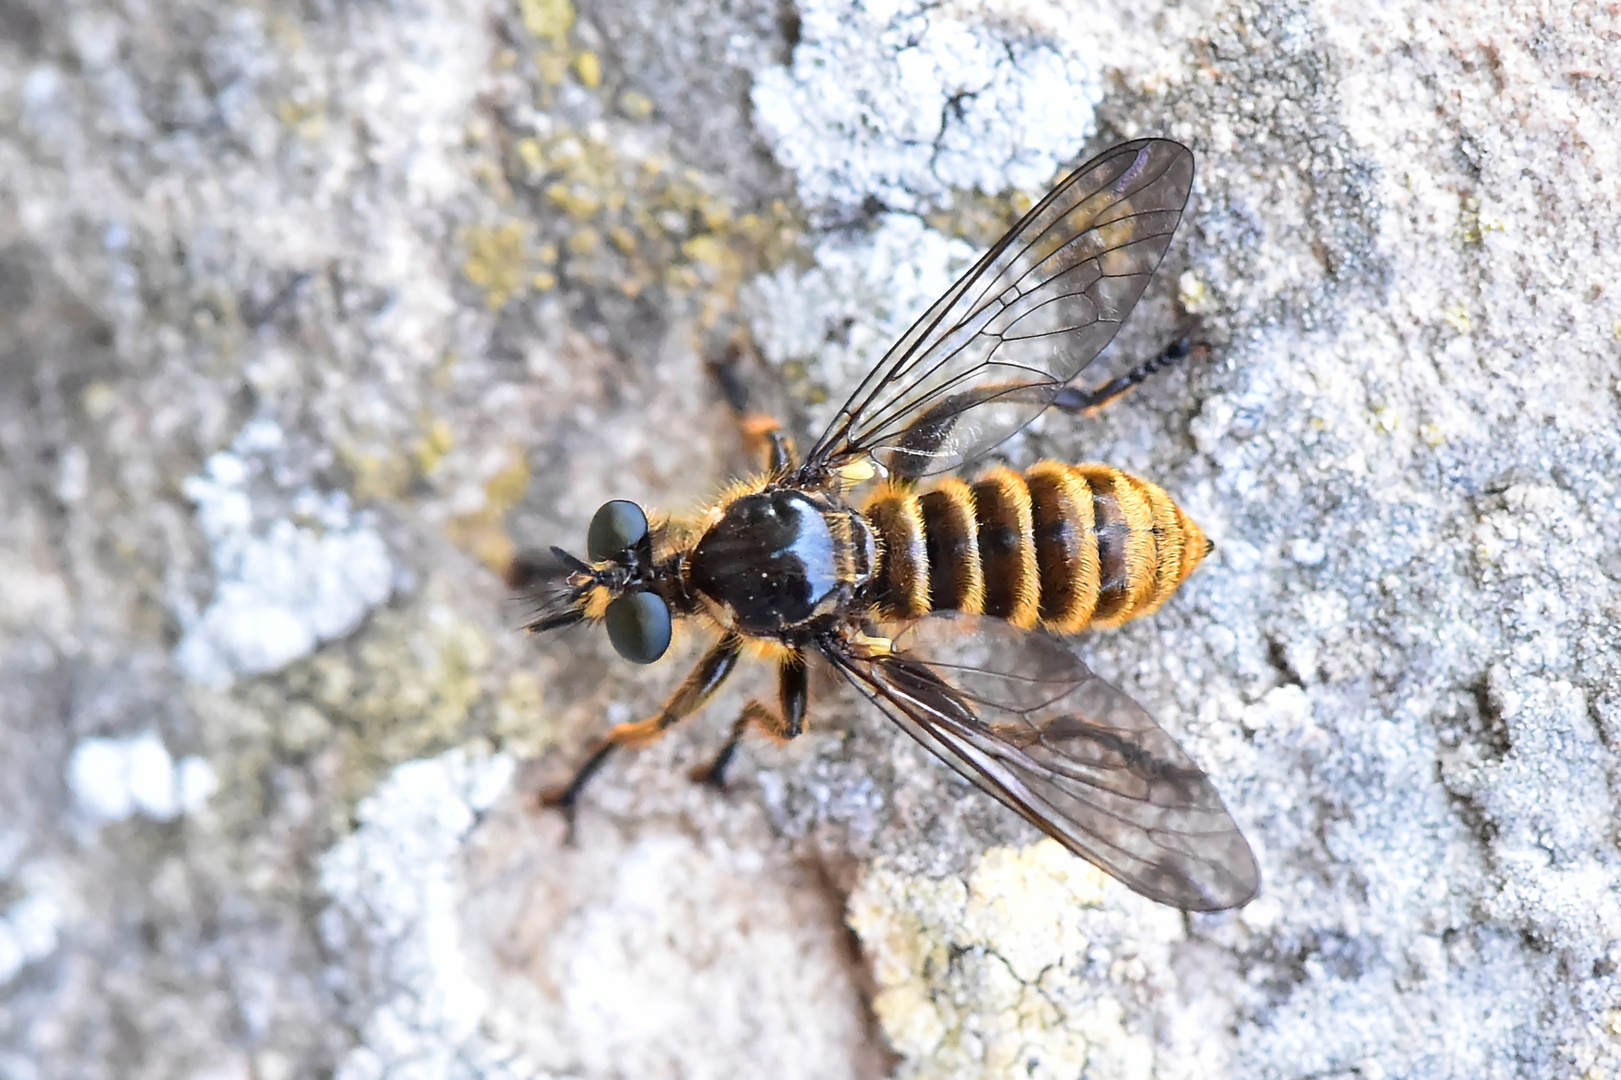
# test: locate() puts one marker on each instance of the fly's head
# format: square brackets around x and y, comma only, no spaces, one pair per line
[617,585]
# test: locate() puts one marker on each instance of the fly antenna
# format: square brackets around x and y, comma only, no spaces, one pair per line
[571,562]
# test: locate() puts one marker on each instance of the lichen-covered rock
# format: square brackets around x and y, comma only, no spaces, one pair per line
[998,975]
[311,315]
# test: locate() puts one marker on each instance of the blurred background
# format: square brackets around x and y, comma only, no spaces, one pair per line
[311,314]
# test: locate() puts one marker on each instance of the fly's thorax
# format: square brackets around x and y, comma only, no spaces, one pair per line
[779,559]
[1064,547]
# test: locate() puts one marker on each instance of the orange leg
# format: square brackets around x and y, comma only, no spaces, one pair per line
[761,433]
[695,690]
[765,435]
[793,691]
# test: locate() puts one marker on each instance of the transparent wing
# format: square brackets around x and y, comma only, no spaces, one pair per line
[1022,322]
[1078,758]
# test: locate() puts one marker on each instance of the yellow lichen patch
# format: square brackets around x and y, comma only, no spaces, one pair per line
[306,118]
[589,69]
[381,473]
[520,724]
[530,153]
[987,978]
[1018,898]
[1193,294]
[584,242]
[482,533]
[432,447]
[549,20]
[1457,317]
[483,539]
[628,220]
[636,106]
[1476,220]
[704,249]
[407,688]
[552,67]
[978,218]
[98,400]
[495,261]
[894,914]
[505,488]
[287,33]
[578,201]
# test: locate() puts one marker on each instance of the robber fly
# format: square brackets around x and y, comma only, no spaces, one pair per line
[892,590]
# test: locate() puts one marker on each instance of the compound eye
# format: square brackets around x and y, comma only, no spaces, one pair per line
[615,526]
[639,626]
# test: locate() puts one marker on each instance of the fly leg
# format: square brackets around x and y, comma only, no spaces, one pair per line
[762,430]
[1075,400]
[761,433]
[696,689]
[793,689]
[927,436]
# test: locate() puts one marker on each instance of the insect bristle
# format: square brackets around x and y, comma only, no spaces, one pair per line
[546,582]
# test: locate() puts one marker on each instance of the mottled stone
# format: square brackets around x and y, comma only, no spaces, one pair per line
[311,314]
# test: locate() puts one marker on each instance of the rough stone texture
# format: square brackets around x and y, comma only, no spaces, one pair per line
[309,313]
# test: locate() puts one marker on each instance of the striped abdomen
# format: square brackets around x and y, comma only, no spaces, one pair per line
[1065,547]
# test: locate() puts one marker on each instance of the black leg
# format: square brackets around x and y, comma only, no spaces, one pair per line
[725,372]
[779,448]
[759,430]
[916,449]
[793,691]
[1073,399]
[696,689]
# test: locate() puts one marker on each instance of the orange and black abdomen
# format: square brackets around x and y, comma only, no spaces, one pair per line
[1064,547]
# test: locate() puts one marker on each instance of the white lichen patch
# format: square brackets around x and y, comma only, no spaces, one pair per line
[41,904]
[905,101]
[28,934]
[395,882]
[492,949]
[1552,838]
[678,954]
[114,779]
[839,316]
[282,586]
[989,978]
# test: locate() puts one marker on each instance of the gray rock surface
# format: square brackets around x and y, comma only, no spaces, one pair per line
[310,313]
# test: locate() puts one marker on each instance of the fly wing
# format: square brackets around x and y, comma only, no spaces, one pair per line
[1022,322]
[1077,757]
